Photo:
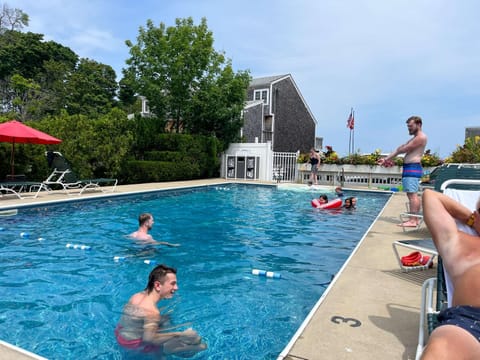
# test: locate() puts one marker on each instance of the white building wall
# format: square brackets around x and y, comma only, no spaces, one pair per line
[261,151]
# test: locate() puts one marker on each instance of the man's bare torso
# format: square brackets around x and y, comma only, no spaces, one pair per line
[415,155]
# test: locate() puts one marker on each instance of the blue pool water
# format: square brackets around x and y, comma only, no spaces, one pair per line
[63,303]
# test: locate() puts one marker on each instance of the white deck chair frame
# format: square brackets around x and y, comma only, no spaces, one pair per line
[427,306]
[20,189]
[82,185]
[415,245]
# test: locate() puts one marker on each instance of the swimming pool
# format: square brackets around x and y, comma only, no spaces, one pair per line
[63,303]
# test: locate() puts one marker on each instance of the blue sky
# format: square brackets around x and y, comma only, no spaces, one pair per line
[386,59]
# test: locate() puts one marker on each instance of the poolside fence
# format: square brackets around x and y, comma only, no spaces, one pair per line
[355,175]
[285,166]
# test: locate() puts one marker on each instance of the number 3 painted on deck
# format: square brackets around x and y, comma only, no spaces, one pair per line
[340,319]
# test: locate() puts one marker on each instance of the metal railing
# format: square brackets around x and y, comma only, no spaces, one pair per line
[353,178]
[285,166]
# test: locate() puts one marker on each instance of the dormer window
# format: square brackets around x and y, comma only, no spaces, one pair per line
[261,94]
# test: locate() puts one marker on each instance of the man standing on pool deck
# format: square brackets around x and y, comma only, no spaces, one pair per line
[145,224]
[138,328]
[412,167]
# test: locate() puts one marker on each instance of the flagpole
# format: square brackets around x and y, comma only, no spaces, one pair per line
[350,127]
[349,142]
[349,132]
[353,133]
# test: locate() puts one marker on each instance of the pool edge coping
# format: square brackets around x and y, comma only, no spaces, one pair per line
[286,351]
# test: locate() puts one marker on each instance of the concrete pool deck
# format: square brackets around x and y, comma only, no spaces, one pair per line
[371,292]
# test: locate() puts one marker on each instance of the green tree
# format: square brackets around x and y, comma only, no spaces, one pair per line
[24,96]
[12,19]
[180,73]
[468,153]
[84,141]
[26,53]
[126,95]
[60,79]
[43,65]
[53,92]
[91,89]
[216,106]
[167,62]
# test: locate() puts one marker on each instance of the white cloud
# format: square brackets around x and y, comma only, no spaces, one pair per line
[91,40]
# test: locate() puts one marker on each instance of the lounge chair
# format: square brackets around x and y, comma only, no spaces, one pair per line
[21,189]
[454,171]
[63,177]
[428,314]
[437,292]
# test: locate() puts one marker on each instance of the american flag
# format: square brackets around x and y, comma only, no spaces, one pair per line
[351,121]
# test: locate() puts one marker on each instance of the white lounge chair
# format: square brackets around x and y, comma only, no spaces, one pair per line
[63,177]
[21,189]
[428,313]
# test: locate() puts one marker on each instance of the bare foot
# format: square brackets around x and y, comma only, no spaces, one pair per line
[408,223]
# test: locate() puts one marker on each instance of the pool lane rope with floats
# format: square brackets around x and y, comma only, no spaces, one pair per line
[268,274]
[78,246]
[26,235]
[123,258]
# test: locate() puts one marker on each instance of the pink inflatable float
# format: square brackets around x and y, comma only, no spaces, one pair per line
[329,205]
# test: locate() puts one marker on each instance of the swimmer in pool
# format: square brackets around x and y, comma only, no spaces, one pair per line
[339,191]
[354,202]
[323,199]
[139,328]
[145,224]
[347,204]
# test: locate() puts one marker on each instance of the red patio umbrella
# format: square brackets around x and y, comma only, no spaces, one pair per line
[16,132]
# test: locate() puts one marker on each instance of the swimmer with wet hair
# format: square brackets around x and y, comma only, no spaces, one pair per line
[138,328]
[145,224]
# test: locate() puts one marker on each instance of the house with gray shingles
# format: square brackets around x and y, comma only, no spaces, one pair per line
[277,112]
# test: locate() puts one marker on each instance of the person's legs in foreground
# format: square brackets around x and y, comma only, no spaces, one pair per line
[451,342]
[455,248]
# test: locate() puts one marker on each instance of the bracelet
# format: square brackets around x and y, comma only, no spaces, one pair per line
[471,220]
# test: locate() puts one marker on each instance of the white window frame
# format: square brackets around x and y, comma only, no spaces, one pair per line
[261,92]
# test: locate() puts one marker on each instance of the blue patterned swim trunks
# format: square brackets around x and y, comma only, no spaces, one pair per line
[465,317]
[414,170]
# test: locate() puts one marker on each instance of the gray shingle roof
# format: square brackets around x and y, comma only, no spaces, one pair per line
[253,103]
[264,81]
